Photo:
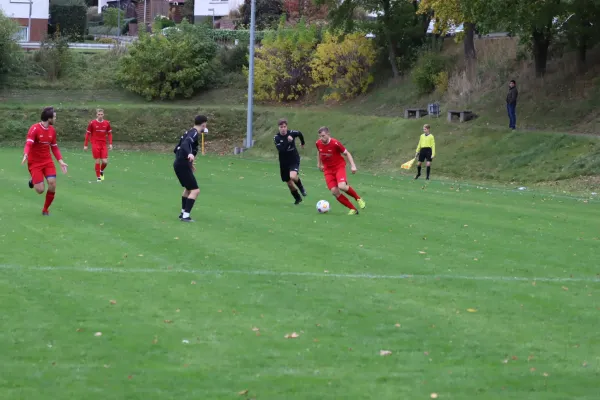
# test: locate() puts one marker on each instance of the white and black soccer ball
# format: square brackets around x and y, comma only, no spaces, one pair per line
[322,206]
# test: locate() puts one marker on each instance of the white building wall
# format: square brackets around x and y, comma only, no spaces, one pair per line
[40,9]
[221,7]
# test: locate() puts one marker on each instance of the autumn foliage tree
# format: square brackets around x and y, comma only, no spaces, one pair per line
[282,64]
[452,12]
[307,9]
[343,64]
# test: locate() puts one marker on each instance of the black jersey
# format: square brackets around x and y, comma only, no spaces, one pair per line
[188,144]
[286,148]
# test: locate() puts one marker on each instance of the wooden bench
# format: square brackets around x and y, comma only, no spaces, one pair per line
[417,112]
[462,115]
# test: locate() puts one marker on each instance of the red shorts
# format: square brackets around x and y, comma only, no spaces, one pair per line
[99,150]
[334,176]
[40,171]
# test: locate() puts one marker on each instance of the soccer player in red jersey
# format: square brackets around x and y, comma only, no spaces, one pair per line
[332,161]
[41,138]
[99,131]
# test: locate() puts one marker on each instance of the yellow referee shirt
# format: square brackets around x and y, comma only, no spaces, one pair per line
[427,141]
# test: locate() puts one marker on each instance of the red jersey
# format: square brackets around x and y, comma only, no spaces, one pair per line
[40,141]
[331,154]
[98,131]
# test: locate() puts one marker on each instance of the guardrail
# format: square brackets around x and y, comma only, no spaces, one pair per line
[84,46]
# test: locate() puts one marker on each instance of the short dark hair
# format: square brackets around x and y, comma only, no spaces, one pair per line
[282,121]
[47,114]
[200,119]
[324,129]
[513,81]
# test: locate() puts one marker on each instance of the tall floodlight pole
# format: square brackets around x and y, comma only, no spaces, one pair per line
[119,18]
[145,25]
[29,22]
[251,75]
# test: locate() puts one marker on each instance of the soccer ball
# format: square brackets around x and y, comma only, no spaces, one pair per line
[322,206]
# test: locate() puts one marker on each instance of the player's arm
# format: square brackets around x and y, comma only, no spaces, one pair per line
[88,135]
[109,135]
[187,145]
[432,146]
[348,156]
[57,155]
[319,163]
[300,136]
[31,134]
[419,146]
[279,144]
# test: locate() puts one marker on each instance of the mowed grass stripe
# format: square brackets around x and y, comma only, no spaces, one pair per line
[438,347]
[141,196]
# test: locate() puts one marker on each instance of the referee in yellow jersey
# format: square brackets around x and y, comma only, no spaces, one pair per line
[425,150]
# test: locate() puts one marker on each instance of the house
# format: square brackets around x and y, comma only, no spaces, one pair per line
[214,9]
[24,10]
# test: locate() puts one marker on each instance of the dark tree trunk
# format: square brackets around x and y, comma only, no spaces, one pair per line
[541,43]
[469,41]
[582,55]
[392,56]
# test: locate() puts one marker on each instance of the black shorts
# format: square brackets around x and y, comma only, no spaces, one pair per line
[285,166]
[425,154]
[185,175]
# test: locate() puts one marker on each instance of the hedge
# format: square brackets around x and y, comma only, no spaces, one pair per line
[69,20]
[130,124]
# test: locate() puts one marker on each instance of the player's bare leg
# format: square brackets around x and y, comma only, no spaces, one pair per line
[50,193]
[428,169]
[98,171]
[344,200]
[103,165]
[343,186]
[418,170]
[294,191]
[296,178]
[192,195]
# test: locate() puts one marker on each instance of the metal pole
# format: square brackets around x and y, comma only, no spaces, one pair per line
[251,75]
[145,26]
[29,23]
[119,17]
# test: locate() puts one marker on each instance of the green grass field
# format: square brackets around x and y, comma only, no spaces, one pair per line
[478,293]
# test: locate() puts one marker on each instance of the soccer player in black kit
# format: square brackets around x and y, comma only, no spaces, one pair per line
[289,159]
[185,153]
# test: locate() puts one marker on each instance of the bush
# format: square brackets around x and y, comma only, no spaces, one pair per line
[170,66]
[53,57]
[282,64]
[234,59]
[68,18]
[107,40]
[9,49]
[441,82]
[111,15]
[344,65]
[426,71]
[161,22]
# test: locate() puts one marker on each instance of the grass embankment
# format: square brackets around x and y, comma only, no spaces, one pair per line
[464,151]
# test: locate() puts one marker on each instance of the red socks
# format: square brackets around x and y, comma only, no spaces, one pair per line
[344,200]
[97,167]
[49,200]
[353,193]
[103,166]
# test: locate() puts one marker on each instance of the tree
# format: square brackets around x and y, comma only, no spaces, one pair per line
[343,65]
[268,13]
[282,63]
[9,49]
[533,21]
[452,12]
[581,27]
[307,9]
[395,21]
[176,65]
